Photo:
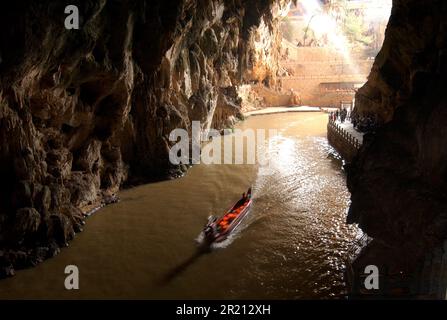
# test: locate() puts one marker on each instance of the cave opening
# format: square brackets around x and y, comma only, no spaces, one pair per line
[325,52]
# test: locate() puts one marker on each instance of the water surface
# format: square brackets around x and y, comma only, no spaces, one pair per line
[290,246]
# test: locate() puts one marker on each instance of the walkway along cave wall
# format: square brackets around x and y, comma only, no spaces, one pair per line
[345,144]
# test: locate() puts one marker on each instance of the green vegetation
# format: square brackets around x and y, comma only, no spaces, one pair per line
[363,34]
[355,28]
[352,23]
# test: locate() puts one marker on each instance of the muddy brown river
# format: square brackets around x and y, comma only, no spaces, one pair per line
[291,245]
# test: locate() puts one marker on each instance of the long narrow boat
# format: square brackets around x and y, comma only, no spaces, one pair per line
[218,229]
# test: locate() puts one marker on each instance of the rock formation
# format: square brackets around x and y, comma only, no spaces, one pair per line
[399,179]
[83,112]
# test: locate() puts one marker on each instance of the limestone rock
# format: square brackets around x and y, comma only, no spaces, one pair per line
[399,179]
[27,222]
[83,112]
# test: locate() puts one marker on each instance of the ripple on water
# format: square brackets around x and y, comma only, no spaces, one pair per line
[291,245]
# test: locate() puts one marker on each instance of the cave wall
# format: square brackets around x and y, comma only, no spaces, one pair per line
[398,181]
[84,111]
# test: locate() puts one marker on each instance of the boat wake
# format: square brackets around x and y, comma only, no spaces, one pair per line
[200,240]
[235,234]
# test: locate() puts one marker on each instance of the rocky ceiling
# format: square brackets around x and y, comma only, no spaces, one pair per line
[83,112]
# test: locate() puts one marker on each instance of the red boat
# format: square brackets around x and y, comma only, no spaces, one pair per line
[217,230]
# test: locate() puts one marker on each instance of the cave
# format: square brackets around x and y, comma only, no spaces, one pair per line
[86,116]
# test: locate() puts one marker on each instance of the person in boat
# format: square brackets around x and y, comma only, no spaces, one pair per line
[210,231]
[245,196]
[241,201]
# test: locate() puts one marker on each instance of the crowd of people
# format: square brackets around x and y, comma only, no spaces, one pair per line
[363,123]
[341,115]
[366,123]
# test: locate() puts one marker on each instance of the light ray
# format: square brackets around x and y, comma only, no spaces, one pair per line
[322,23]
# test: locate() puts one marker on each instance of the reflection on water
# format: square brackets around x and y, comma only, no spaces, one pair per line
[291,245]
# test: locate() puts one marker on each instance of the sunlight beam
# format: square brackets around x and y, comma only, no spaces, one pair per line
[322,23]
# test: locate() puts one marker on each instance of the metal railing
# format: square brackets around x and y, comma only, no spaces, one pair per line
[349,138]
[356,247]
